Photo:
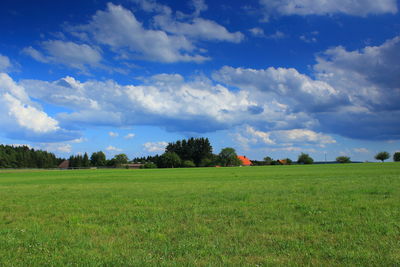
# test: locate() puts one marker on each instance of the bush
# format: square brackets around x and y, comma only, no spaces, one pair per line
[188,164]
[170,160]
[396,156]
[268,160]
[382,156]
[149,165]
[305,159]
[228,157]
[343,159]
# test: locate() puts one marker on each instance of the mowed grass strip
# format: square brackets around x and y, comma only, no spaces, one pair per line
[252,216]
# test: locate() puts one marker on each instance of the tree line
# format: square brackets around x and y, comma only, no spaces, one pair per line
[25,157]
[193,152]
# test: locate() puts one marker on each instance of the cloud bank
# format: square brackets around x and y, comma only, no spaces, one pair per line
[316,7]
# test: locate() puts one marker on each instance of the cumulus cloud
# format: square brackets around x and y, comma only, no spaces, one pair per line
[370,77]
[373,69]
[198,28]
[155,146]
[67,53]
[352,93]
[281,139]
[288,85]
[5,63]
[303,136]
[163,100]
[190,26]
[113,149]
[118,28]
[57,147]
[23,118]
[361,150]
[316,7]
[199,6]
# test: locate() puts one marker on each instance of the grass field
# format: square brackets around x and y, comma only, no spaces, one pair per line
[320,215]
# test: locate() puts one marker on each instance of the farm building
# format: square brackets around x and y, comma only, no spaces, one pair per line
[282,162]
[245,161]
[133,165]
[64,164]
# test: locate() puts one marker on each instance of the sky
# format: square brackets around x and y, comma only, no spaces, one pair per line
[266,77]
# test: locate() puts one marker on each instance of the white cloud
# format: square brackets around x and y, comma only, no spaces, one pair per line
[5,63]
[22,118]
[373,69]
[361,150]
[282,138]
[199,6]
[118,28]
[302,136]
[370,77]
[198,28]
[155,146]
[317,7]
[113,149]
[79,140]
[293,149]
[113,134]
[29,117]
[57,147]
[35,54]
[189,26]
[351,90]
[68,53]
[129,136]
[165,100]
[263,136]
[286,84]
[256,31]
[18,109]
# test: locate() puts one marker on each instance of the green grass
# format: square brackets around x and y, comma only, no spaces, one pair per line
[277,215]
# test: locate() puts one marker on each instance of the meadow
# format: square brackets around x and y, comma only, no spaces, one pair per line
[324,215]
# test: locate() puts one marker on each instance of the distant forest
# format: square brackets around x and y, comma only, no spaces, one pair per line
[25,157]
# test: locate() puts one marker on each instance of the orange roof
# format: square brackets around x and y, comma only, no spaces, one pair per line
[245,161]
[282,161]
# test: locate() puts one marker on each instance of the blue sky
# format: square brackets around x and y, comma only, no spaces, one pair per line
[267,77]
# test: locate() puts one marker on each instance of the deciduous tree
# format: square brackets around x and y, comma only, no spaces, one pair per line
[382,156]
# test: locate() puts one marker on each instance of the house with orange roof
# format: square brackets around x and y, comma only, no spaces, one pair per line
[245,161]
[282,162]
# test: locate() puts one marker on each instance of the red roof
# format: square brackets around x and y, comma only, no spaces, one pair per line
[245,161]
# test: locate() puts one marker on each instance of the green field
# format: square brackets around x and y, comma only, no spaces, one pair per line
[320,215]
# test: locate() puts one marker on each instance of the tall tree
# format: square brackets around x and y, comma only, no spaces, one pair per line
[382,156]
[193,149]
[228,157]
[85,160]
[305,159]
[98,159]
[121,159]
[396,156]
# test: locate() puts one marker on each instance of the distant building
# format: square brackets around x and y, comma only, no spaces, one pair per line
[282,162]
[245,161]
[133,165]
[64,164]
